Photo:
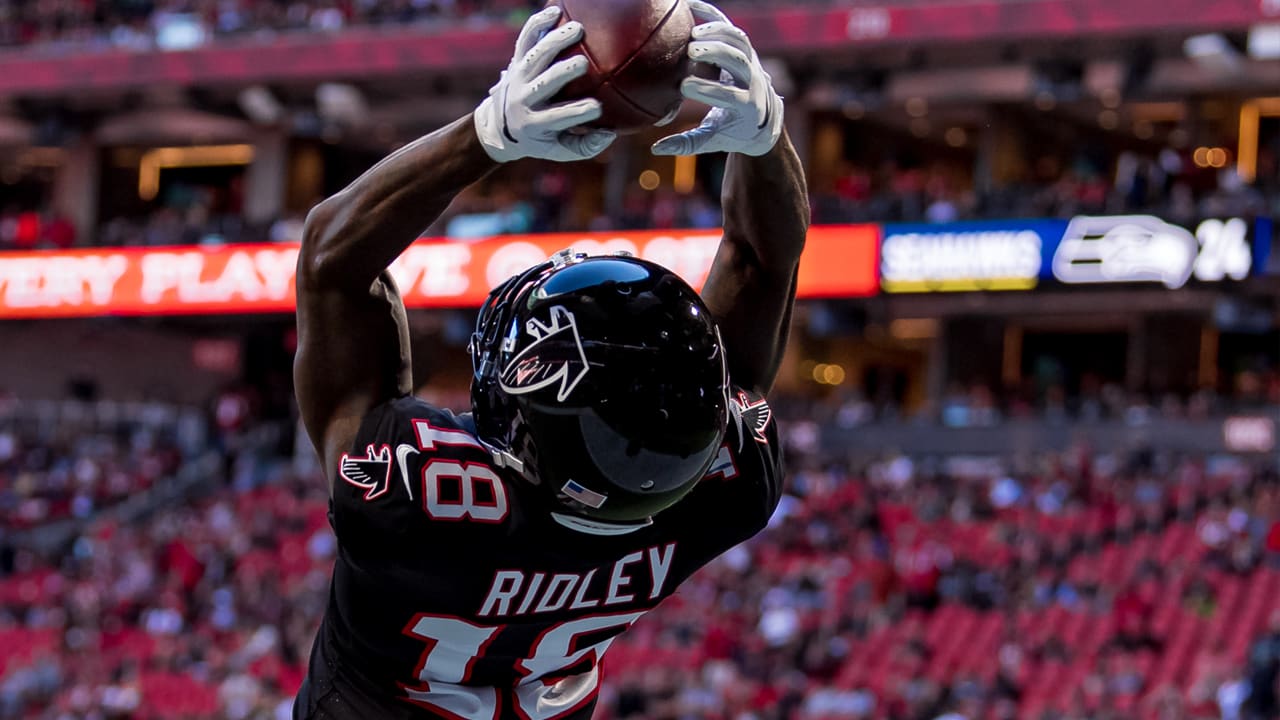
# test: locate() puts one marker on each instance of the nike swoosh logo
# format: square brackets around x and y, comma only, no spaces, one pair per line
[402,460]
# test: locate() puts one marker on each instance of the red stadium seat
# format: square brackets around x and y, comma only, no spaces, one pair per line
[174,694]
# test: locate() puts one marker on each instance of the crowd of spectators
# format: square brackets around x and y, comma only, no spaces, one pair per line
[1086,586]
[874,189]
[204,610]
[851,592]
[61,25]
[545,202]
[1167,185]
[1080,585]
[32,228]
[69,460]
[978,404]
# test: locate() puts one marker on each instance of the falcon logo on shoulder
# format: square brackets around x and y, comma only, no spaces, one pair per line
[753,417]
[371,473]
[555,356]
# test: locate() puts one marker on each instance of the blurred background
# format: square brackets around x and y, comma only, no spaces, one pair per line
[1030,402]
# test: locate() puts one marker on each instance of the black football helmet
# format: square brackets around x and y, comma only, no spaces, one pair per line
[602,380]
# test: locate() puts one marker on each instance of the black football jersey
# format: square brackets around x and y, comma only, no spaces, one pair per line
[458,591]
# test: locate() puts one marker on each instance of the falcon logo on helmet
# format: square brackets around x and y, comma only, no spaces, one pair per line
[555,356]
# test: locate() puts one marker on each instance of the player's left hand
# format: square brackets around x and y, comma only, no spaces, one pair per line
[746,112]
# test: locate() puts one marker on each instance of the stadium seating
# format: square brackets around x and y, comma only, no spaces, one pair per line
[1089,607]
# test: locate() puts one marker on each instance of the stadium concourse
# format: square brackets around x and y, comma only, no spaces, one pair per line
[892,192]
[1075,585]
[102,91]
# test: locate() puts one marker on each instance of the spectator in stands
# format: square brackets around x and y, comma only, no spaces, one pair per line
[1263,673]
[286,229]
[59,233]
[1132,610]
[1231,697]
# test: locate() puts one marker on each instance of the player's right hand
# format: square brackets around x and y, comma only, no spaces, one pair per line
[515,121]
[746,112]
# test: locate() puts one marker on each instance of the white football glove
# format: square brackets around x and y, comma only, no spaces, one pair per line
[516,122]
[746,112]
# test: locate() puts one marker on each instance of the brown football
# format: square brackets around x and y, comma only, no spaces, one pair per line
[638,55]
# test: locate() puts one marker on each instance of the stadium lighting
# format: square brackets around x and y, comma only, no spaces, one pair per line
[14,131]
[1251,114]
[157,159]
[828,374]
[1264,41]
[260,105]
[1213,52]
[685,175]
[649,180]
[913,328]
[1247,150]
[1210,157]
[342,103]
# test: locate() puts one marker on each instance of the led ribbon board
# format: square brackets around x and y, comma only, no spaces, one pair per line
[839,261]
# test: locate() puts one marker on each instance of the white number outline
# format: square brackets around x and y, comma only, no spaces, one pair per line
[467,474]
[437,665]
[724,466]
[434,665]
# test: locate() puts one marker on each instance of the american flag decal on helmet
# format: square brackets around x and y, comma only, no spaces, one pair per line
[587,497]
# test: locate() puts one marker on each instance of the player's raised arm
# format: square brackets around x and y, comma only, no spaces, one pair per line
[353,337]
[752,284]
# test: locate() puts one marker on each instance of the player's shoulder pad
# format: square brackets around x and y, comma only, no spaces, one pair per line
[745,481]
[404,411]
[412,406]
[434,429]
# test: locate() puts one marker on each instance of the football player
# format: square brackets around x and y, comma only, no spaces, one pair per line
[619,437]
